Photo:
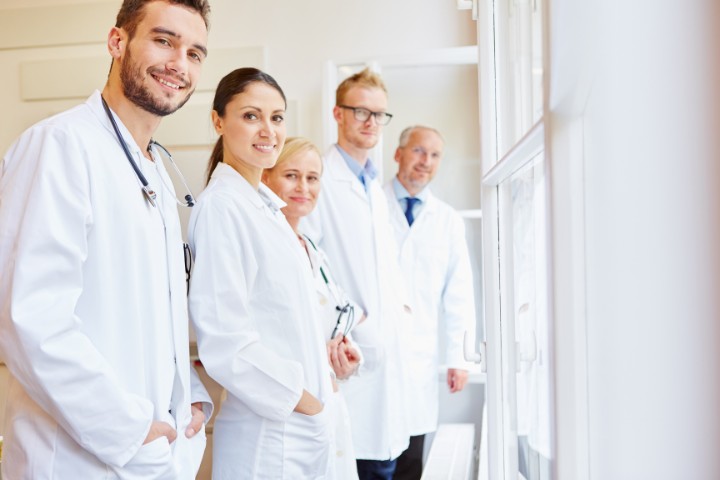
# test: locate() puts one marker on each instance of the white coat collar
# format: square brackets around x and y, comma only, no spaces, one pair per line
[338,170]
[262,197]
[95,104]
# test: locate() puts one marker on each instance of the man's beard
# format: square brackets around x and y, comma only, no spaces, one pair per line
[136,92]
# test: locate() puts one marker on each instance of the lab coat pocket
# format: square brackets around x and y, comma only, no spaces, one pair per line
[307,443]
[372,358]
[152,460]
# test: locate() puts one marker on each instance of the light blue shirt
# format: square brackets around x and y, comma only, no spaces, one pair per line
[365,174]
[401,195]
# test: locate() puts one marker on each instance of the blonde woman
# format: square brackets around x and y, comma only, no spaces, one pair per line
[295,178]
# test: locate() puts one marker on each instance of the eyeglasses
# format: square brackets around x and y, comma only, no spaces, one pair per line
[345,320]
[362,115]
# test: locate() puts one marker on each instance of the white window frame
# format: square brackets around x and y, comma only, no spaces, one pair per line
[501,459]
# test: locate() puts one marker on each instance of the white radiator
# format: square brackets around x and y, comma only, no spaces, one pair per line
[452,454]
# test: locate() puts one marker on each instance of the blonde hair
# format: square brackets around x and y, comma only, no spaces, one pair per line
[365,78]
[293,146]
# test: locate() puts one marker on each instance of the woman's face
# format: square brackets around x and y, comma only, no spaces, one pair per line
[297,182]
[253,128]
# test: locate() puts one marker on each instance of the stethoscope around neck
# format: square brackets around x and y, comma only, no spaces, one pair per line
[147,190]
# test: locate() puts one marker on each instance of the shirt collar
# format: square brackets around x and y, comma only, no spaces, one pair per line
[401,193]
[369,171]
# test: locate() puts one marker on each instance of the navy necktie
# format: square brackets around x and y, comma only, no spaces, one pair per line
[411,201]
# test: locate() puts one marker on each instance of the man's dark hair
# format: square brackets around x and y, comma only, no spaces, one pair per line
[132,11]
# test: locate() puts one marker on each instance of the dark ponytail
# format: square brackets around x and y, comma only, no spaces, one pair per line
[215,157]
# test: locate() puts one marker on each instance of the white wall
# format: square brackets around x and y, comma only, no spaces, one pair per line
[301,35]
[298,36]
[637,264]
[296,39]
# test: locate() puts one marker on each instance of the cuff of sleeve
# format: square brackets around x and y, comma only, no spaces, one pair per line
[207,408]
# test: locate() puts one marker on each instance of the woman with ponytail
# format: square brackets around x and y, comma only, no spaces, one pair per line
[252,301]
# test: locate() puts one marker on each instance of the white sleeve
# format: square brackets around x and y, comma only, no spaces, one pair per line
[458,302]
[46,216]
[198,393]
[228,340]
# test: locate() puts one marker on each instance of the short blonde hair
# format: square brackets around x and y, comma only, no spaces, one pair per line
[293,146]
[366,78]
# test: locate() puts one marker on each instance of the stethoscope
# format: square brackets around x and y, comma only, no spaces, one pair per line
[345,309]
[147,190]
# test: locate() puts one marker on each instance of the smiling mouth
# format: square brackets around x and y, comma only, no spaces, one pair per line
[169,84]
[264,148]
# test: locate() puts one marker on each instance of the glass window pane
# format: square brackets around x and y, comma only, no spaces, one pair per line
[519,67]
[525,322]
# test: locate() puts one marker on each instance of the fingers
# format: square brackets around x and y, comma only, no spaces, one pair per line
[457,379]
[352,355]
[333,354]
[343,359]
[160,429]
[197,421]
[348,359]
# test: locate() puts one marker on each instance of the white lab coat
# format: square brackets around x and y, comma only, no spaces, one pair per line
[435,262]
[354,231]
[93,316]
[255,312]
[331,296]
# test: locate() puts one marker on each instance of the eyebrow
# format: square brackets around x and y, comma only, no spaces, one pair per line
[170,33]
[296,170]
[253,107]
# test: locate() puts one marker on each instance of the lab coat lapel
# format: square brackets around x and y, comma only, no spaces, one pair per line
[426,213]
[403,231]
[397,216]
[178,306]
[338,171]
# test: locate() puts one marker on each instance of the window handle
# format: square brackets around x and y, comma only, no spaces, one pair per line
[473,355]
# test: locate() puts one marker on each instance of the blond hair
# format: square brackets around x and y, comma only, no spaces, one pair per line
[365,78]
[293,146]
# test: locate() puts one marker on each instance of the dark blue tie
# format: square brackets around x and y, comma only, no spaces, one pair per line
[411,201]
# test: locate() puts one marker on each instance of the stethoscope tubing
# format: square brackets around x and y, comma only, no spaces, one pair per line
[146,188]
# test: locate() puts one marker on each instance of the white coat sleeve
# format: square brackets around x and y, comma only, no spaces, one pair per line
[458,303]
[228,342]
[46,216]
[198,393]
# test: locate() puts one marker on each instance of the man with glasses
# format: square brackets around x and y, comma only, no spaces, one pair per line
[93,313]
[352,226]
[436,265]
